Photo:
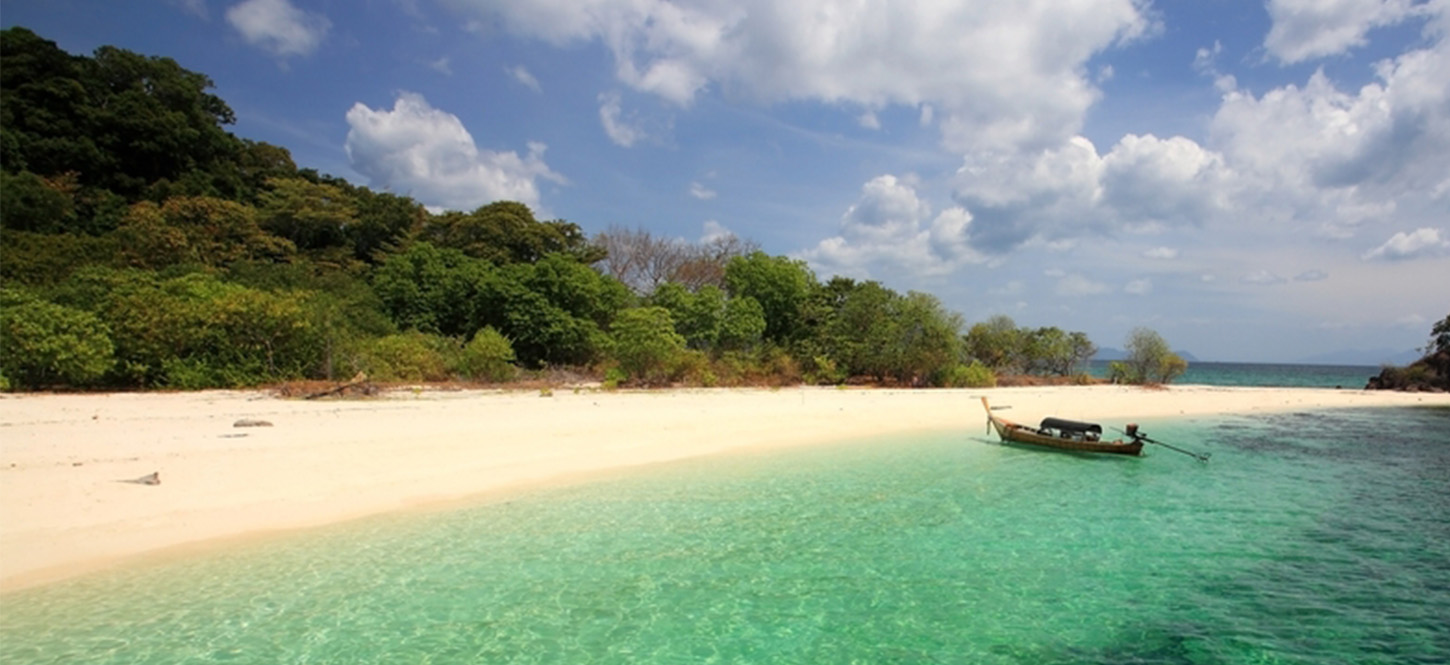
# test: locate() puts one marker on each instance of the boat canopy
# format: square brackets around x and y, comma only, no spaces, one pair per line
[1071,426]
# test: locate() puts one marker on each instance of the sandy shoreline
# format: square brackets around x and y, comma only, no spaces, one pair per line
[65,508]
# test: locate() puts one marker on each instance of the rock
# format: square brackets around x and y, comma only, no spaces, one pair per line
[153,479]
[250,422]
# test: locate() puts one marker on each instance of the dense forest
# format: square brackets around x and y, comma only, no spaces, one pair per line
[142,245]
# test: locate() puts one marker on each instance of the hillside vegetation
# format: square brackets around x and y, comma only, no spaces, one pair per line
[144,246]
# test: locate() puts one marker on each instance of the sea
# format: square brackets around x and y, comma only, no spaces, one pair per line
[1265,375]
[1312,537]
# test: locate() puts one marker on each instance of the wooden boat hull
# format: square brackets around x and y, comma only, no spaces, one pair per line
[1011,432]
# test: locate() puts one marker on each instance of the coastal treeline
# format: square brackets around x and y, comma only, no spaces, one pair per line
[144,246]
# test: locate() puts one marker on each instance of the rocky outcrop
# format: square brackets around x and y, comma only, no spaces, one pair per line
[1428,374]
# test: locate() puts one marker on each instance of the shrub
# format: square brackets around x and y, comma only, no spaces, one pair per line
[489,356]
[410,356]
[646,344]
[46,344]
[975,375]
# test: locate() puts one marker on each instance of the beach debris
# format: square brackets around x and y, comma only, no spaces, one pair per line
[359,384]
[154,478]
[251,422]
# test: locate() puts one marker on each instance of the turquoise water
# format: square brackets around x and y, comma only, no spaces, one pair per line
[1310,538]
[1263,374]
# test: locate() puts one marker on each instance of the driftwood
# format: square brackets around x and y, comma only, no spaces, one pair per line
[359,384]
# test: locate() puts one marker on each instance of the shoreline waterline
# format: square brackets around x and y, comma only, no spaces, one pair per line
[65,457]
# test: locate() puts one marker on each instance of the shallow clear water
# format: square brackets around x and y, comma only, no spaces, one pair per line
[1352,377]
[1310,538]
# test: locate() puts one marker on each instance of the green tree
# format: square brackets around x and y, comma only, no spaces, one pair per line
[1150,360]
[314,216]
[781,286]
[49,345]
[742,327]
[930,339]
[507,232]
[646,344]
[1439,337]
[997,343]
[196,229]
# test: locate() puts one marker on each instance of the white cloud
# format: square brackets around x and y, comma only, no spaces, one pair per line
[278,27]
[1174,181]
[1416,244]
[417,150]
[1161,253]
[621,132]
[869,120]
[1311,276]
[196,8]
[1262,278]
[999,75]
[714,231]
[701,192]
[1307,29]
[1073,285]
[891,228]
[441,66]
[1138,287]
[522,75]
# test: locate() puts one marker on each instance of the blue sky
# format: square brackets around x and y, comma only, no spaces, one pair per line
[1258,181]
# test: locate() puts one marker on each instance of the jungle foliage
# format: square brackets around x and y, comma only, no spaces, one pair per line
[145,246]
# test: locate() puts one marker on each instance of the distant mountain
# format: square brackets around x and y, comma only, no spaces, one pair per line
[1368,357]
[1110,353]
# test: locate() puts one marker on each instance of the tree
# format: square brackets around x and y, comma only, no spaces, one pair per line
[46,344]
[996,343]
[930,338]
[506,232]
[1439,337]
[646,344]
[781,286]
[314,216]
[644,262]
[1150,360]
[196,229]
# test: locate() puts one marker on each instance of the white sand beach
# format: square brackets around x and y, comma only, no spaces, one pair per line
[66,508]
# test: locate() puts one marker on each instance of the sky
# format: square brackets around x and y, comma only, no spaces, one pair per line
[1259,181]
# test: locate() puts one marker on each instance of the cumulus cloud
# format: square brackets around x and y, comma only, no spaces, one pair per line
[1416,244]
[891,226]
[981,64]
[701,192]
[426,153]
[1161,253]
[621,132]
[278,27]
[1307,29]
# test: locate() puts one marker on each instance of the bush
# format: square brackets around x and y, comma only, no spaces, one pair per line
[646,344]
[489,357]
[411,356]
[975,375]
[47,344]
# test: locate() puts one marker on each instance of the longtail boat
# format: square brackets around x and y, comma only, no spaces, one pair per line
[1065,435]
